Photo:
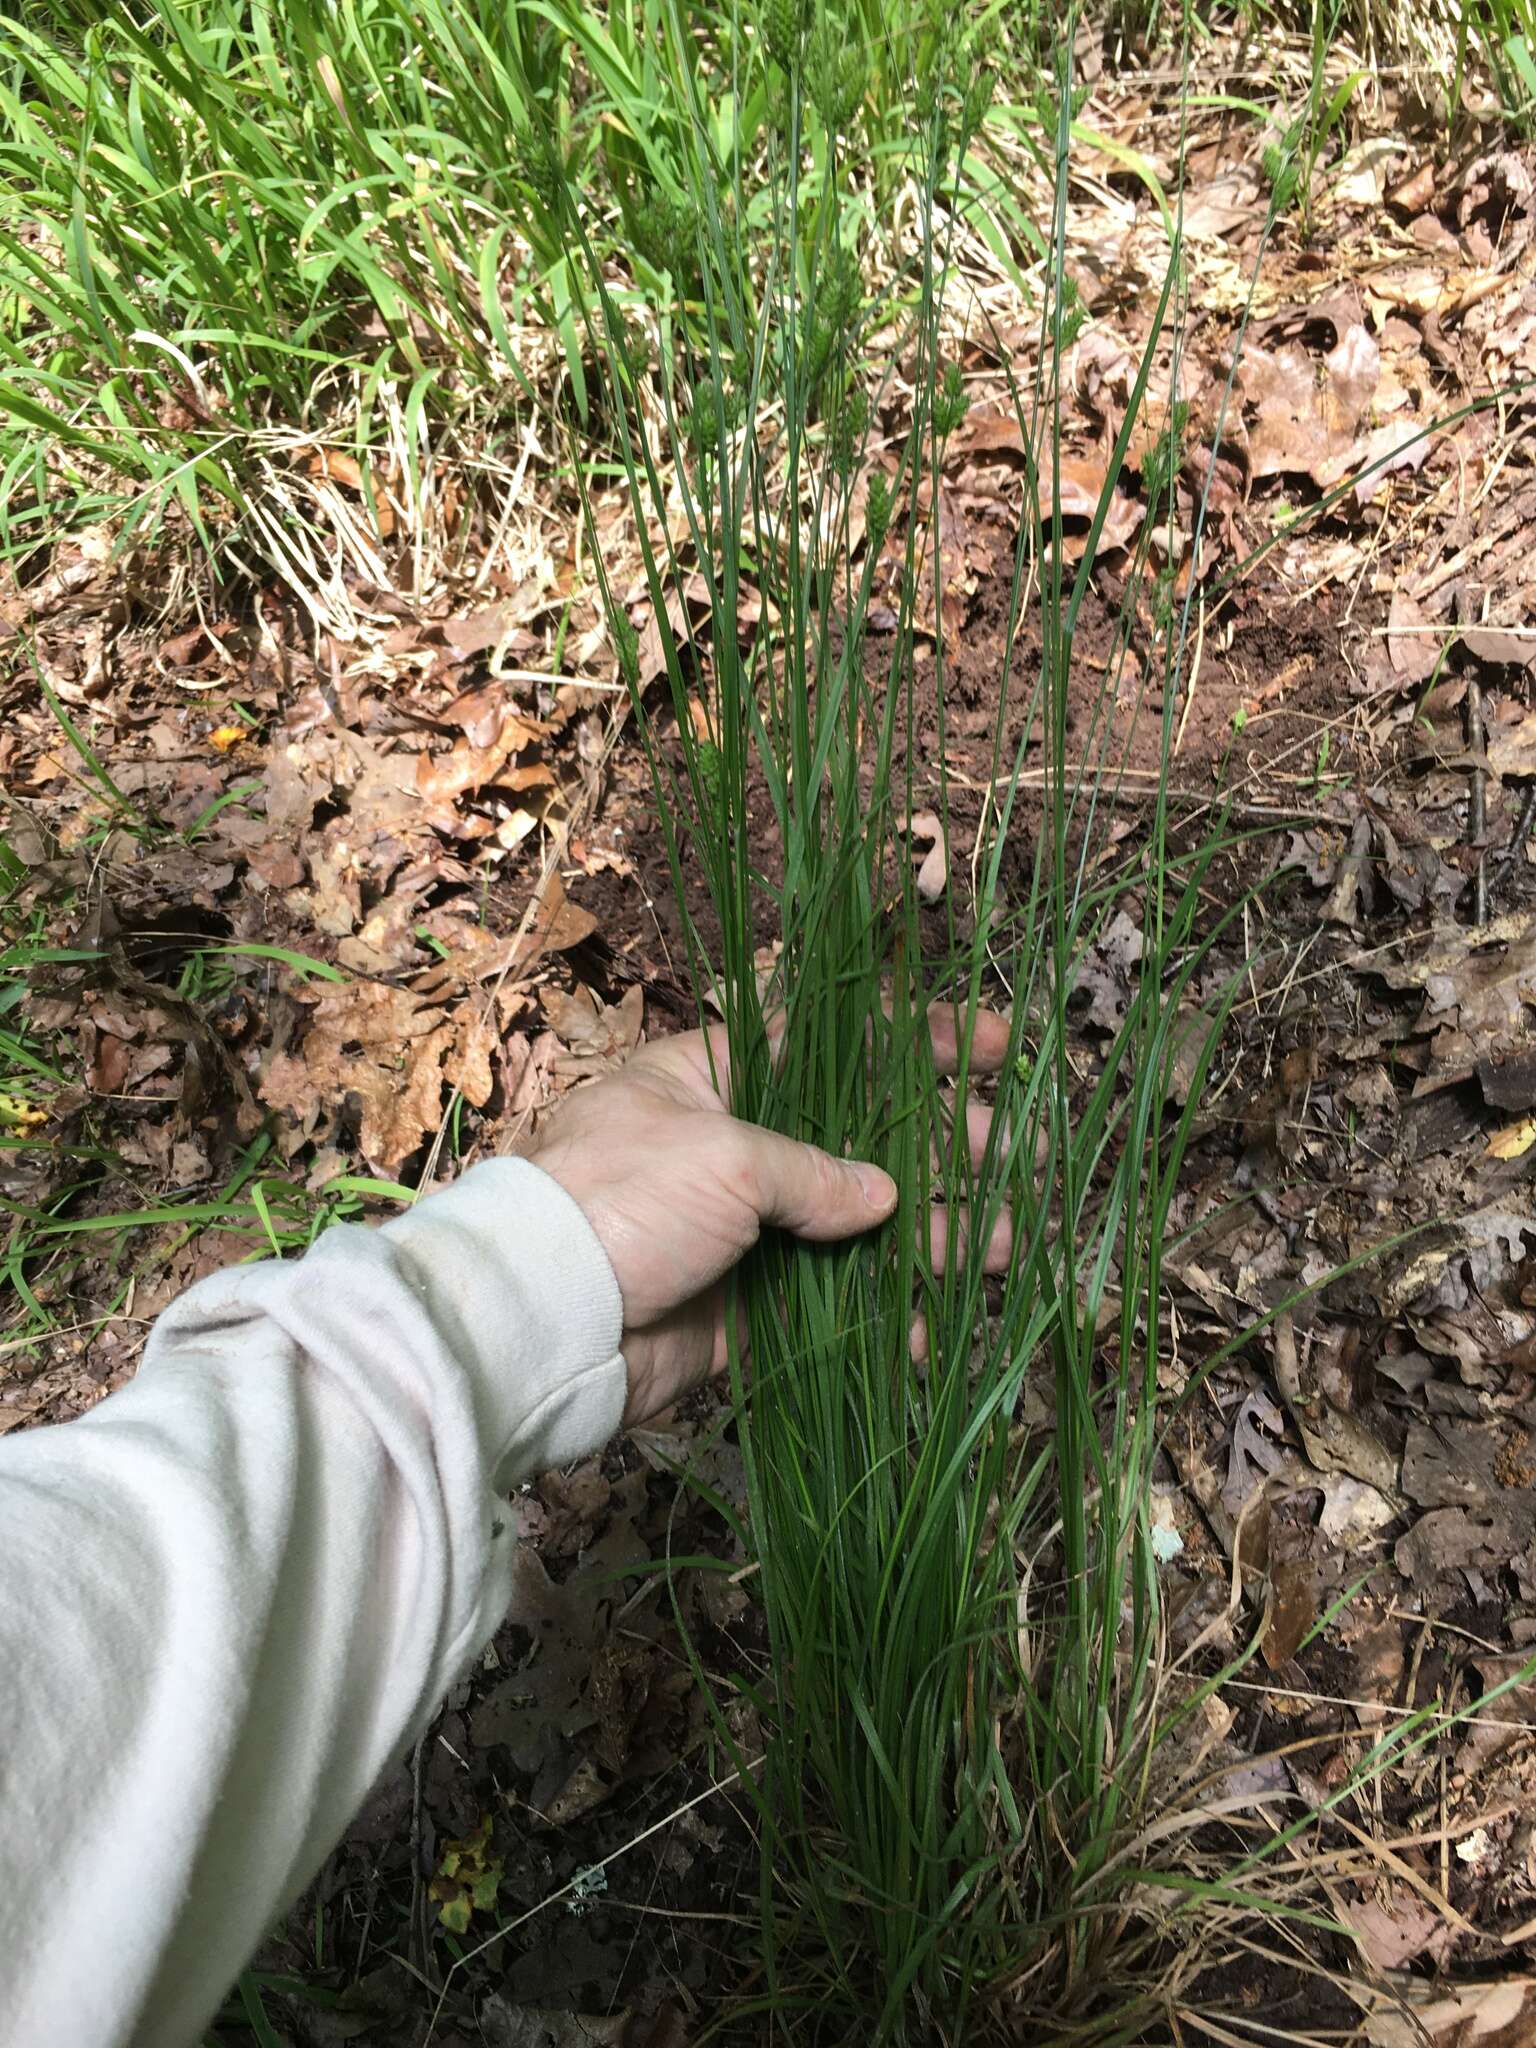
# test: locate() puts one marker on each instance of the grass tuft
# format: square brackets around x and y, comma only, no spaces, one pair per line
[962,1601]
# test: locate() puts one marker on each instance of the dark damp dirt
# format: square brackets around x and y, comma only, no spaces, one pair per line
[580,1737]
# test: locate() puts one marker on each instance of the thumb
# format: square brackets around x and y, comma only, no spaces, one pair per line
[802,1189]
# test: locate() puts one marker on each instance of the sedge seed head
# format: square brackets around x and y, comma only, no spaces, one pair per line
[626,645]
[783,26]
[877,508]
[1073,311]
[951,402]
[1160,465]
[1281,174]
[538,164]
[710,764]
[665,232]
[836,75]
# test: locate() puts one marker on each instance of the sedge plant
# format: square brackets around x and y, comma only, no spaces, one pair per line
[961,1606]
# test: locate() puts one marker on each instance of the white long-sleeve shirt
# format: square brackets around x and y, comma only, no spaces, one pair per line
[234,1591]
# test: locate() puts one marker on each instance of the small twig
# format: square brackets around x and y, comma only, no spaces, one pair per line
[418,1917]
[1477,808]
[1194,675]
[1521,833]
[565,1890]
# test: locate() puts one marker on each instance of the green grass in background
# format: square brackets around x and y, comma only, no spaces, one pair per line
[229,231]
[235,234]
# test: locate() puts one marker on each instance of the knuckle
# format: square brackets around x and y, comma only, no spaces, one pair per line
[735,1153]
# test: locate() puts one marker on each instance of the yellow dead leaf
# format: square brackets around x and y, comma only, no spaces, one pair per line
[1513,1140]
[17,1114]
[225,738]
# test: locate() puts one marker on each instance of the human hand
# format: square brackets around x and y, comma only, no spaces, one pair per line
[678,1190]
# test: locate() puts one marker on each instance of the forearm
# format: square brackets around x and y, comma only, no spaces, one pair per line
[235,1589]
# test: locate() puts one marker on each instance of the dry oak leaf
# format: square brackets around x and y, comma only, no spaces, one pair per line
[557,924]
[468,1064]
[1082,482]
[1303,417]
[1481,978]
[598,1035]
[1414,639]
[1512,743]
[382,1046]
[483,715]
[466,768]
[1395,1928]
[496,627]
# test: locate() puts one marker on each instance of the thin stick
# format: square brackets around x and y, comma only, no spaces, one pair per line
[584,1877]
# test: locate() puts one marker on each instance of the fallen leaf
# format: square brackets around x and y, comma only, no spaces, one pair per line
[1333,1440]
[1253,1454]
[1083,483]
[1221,204]
[1511,744]
[1397,1926]
[1352,1511]
[597,1035]
[1479,978]
[1292,1612]
[1105,972]
[1449,1540]
[17,1114]
[467,1879]
[1500,646]
[1513,1141]
[478,632]
[515,827]
[336,464]
[1415,191]
[225,738]
[1193,1031]
[468,1064]
[504,2025]
[466,768]
[484,716]
[1360,177]
[1301,416]
[395,1073]
[182,649]
[987,429]
[1407,2012]
[108,1069]
[557,923]
[1397,445]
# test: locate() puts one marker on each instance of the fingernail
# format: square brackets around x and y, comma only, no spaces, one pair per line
[879,1188]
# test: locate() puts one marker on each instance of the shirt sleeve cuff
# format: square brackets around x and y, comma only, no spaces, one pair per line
[510,1271]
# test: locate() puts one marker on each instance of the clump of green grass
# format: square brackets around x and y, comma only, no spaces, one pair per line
[964,1613]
